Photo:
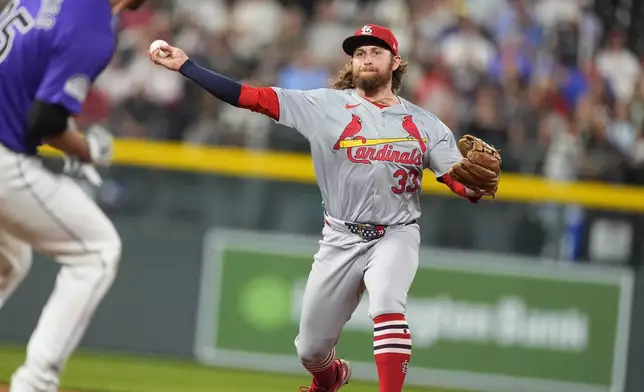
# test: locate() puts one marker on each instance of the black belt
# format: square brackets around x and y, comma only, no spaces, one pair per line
[370,232]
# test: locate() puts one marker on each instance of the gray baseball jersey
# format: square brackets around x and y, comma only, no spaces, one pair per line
[369,165]
[368,161]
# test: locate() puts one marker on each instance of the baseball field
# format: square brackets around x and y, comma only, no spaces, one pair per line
[94,372]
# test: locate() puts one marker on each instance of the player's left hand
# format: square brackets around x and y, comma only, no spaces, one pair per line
[99,141]
[79,170]
[101,145]
[480,169]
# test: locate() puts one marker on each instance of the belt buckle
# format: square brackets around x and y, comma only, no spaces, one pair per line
[366,231]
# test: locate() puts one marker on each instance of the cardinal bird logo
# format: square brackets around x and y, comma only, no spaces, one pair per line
[352,129]
[411,128]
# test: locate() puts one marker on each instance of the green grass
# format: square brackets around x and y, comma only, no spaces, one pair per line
[118,373]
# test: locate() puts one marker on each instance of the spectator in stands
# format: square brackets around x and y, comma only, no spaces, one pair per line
[619,65]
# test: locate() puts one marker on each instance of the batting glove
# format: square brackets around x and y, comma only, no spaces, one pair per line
[79,170]
[101,145]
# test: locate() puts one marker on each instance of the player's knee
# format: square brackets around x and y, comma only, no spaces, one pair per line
[107,248]
[95,270]
[313,350]
[101,253]
[112,250]
[110,255]
[386,302]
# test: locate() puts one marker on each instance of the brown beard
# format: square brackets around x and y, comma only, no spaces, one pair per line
[345,80]
[372,82]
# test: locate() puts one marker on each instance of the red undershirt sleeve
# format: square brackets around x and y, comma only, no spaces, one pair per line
[457,188]
[261,100]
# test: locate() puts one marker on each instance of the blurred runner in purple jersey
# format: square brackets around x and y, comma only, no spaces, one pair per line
[51,51]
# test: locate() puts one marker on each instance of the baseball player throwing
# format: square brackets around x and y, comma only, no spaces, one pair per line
[369,149]
[50,53]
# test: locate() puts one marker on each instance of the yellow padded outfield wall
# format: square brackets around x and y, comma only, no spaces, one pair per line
[294,167]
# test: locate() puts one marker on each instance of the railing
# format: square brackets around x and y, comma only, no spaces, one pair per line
[297,167]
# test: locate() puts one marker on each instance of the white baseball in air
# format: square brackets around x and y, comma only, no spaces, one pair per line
[155,48]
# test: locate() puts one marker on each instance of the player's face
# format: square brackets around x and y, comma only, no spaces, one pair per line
[373,67]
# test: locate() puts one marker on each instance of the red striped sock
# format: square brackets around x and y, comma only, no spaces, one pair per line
[392,351]
[324,373]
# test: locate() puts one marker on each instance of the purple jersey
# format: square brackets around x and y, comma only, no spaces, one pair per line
[50,50]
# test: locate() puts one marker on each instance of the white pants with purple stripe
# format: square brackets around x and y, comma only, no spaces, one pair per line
[51,214]
[343,268]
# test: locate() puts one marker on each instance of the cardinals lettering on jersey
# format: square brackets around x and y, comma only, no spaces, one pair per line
[364,151]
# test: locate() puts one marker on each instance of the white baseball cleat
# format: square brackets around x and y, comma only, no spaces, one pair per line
[22,382]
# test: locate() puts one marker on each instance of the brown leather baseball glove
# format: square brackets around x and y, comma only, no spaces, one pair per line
[480,169]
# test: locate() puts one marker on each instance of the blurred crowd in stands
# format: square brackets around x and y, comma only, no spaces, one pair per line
[544,80]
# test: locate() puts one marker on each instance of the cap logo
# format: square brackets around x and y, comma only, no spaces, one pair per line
[366,30]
